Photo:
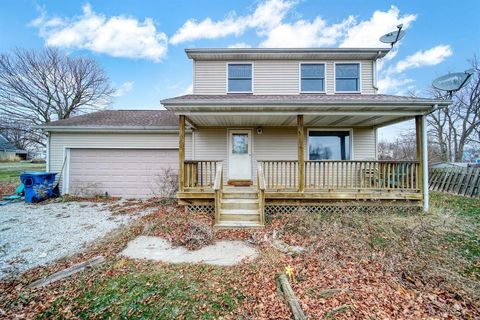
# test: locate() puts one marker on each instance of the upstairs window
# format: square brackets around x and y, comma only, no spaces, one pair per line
[312,77]
[240,78]
[347,77]
[328,145]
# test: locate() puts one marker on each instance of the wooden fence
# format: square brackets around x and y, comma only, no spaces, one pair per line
[461,181]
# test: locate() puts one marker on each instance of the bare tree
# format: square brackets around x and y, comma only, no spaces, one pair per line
[458,126]
[40,87]
[405,148]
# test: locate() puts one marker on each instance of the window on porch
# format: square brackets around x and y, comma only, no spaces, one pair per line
[328,145]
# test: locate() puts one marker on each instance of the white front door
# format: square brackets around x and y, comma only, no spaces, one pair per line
[240,154]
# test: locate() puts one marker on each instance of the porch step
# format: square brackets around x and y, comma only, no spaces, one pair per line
[239,208]
[240,195]
[238,224]
[239,215]
[246,204]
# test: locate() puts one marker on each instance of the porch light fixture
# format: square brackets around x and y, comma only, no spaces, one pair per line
[259,130]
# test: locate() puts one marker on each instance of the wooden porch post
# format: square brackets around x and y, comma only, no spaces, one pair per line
[181,153]
[422,157]
[301,153]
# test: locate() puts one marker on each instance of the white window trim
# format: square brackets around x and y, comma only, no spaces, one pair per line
[359,76]
[226,73]
[350,130]
[324,76]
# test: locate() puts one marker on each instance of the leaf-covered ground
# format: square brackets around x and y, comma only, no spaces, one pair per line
[356,266]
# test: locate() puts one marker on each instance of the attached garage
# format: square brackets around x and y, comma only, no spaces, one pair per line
[123,153]
[127,173]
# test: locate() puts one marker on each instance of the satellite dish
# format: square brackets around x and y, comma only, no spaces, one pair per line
[453,81]
[394,36]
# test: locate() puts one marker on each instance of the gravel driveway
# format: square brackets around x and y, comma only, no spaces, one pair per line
[34,235]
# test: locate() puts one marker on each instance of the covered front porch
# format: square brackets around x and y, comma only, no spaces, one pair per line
[285,165]
[301,181]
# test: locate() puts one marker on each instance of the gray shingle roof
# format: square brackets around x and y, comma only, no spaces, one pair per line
[6,145]
[249,99]
[141,119]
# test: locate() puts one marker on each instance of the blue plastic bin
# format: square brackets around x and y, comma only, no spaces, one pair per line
[38,185]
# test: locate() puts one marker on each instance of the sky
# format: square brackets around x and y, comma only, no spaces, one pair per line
[141,44]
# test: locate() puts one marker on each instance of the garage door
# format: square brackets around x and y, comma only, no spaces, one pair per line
[124,173]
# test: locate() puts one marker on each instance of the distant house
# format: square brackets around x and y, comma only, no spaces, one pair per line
[9,151]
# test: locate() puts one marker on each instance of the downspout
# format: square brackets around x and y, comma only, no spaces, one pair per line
[425,164]
[48,152]
[425,157]
[374,71]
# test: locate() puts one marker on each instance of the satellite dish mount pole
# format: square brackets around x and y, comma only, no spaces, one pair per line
[400,26]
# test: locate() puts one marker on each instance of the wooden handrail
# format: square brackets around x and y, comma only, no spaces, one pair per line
[261,192]
[260,177]
[218,185]
[218,188]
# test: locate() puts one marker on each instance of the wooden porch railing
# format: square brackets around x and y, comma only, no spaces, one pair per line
[280,174]
[334,175]
[200,174]
[383,175]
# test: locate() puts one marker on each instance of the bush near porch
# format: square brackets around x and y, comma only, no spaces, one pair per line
[382,265]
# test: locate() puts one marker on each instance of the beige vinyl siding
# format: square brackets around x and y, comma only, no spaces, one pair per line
[275,143]
[210,77]
[329,78]
[272,76]
[367,77]
[60,141]
[276,77]
[211,144]
[364,144]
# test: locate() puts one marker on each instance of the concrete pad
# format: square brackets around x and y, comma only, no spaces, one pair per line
[222,253]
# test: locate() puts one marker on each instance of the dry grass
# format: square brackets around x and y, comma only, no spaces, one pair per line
[8,157]
[438,250]
[386,265]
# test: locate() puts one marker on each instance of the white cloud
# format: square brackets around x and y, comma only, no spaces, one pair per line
[268,20]
[188,90]
[303,33]
[419,59]
[125,88]
[390,84]
[392,80]
[366,34]
[266,16]
[118,36]
[240,45]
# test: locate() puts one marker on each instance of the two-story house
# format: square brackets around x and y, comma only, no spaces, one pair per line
[265,130]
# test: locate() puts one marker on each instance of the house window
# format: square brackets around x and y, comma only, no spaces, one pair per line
[240,77]
[347,77]
[312,77]
[328,145]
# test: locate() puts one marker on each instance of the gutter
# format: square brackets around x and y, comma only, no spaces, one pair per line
[245,103]
[108,129]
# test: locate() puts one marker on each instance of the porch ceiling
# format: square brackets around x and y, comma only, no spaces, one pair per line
[340,120]
[318,110]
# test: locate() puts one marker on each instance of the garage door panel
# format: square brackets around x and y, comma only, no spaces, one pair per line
[129,173]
